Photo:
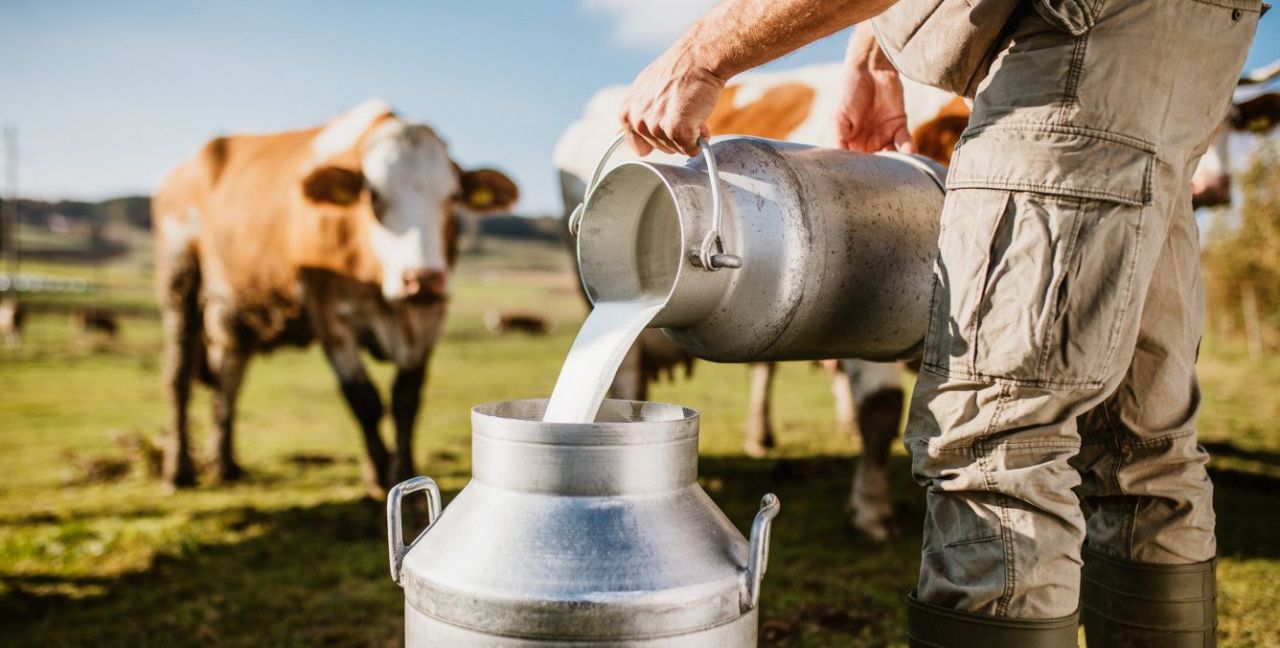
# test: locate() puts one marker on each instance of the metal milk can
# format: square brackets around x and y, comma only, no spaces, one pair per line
[593,534]
[769,250]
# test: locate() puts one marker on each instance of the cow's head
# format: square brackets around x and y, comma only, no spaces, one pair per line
[396,178]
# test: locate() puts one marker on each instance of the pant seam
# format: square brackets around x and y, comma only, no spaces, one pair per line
[1071,91]
[961,543]
[1060,385]
[1160,440]
[1006,535]
[1118,449]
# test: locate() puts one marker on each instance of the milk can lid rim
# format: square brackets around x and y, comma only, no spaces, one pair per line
[620,422]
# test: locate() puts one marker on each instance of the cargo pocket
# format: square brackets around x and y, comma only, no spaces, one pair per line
[1038,255]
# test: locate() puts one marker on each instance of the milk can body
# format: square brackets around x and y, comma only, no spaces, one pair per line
[835,250]
[592,534]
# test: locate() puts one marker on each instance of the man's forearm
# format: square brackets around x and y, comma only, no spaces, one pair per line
[737,35]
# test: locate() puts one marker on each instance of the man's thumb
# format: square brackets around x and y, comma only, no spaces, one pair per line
[902,141]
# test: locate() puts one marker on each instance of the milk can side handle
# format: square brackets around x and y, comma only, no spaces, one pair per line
[758,551]
[396,548]
[703,257]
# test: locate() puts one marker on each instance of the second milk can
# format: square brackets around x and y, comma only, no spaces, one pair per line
[593,534]
[769,250]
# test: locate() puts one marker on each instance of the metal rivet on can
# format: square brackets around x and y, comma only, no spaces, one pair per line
[1236,14]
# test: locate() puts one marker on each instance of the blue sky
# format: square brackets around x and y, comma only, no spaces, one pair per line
[107,96]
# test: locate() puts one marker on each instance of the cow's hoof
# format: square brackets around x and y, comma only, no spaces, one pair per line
[877,526]
[756,449]
[372,479]
[228,472]
[179,474]
[174,484]
[757,443]
[375,491]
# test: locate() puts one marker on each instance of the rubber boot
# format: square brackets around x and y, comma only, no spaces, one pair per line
[933,626]
[1130,605]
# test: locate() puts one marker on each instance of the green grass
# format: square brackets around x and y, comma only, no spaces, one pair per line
[295,556]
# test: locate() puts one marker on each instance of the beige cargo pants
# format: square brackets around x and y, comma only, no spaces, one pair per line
[1060,358]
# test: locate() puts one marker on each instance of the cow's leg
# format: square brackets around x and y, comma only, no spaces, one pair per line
[406,400]
[344,356]
[842,393]
[878,394]
[228,365]
[179,287]
[759,428]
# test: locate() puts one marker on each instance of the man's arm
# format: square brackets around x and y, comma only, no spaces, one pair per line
[872,115]
[670,101]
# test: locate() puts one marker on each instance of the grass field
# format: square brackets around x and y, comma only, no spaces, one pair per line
[295,556]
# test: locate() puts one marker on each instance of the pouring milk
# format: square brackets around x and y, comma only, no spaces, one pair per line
[602,343]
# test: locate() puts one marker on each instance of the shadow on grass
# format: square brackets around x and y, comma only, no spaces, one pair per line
[305,576]
[318,575]
[1227,449]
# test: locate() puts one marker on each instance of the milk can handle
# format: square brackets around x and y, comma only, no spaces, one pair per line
[758,550]
[710,254]
[396,548]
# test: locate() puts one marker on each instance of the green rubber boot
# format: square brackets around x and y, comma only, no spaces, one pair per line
[1130,605]
[932,626]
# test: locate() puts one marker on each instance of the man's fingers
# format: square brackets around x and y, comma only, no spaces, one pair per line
[643,130]
[637,143]
[684,141]
[634,140]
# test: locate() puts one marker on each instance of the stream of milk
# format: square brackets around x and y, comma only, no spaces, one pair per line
[594,358]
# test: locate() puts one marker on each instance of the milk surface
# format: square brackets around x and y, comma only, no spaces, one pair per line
[602,343]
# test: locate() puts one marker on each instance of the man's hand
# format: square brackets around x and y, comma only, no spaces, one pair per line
[872,115]
[668,105]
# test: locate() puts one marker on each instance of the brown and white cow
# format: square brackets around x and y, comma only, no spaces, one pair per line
[342,234]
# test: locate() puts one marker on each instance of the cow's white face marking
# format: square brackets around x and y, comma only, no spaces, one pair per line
[408,168]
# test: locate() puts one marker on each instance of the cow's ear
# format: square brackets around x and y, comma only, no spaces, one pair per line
[488,190]
[334,185]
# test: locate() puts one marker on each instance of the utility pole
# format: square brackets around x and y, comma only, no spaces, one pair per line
[10,215]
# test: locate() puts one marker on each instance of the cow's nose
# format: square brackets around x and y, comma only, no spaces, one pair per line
[424,283]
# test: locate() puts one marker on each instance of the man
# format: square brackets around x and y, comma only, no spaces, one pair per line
[1059,363]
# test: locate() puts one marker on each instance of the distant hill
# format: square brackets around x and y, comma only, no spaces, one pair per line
[135,211]
[510,226]
[127,210]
